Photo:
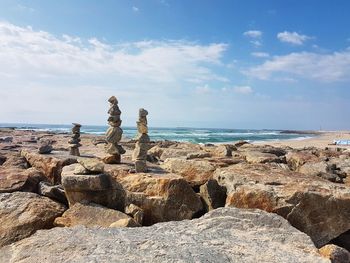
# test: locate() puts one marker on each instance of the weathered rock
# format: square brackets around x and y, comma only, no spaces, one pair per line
[163,197]
[21,214]
[311,204]
[295,159]
[90,215]
[178,150]
[321,169]
[223,235]
[260,157]
[97,188]
[213,194]
[15,179]
[17,161]
[335,254]
[55,192]
[50,165]
[195,172]
[224,150]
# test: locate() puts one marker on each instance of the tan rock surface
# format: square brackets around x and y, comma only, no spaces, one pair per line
[91,215]
[311,204]
[195,172]
[223,235]
[21,214]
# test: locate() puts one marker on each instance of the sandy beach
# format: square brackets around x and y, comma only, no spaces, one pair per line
[325,139]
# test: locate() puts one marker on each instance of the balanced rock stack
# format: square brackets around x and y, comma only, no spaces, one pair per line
[142,144]
[75,141]
[114,133]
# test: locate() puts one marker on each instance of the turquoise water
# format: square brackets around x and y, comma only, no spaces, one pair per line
[195,135]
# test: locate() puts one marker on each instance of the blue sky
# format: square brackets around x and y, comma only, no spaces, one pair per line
[229,64]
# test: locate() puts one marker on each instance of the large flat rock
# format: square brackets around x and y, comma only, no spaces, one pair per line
[21,214]
[223,235]
[313,205]
[91,215]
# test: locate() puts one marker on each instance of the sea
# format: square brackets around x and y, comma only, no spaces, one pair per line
[181,134]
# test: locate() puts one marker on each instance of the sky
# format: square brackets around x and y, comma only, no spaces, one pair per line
[272,64]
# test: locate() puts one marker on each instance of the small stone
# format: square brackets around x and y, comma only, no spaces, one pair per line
[136,212]
[112,159]
[79,169]
[45,147]
[92,165]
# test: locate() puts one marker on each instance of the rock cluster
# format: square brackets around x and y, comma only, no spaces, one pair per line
[142,144]
[75,141]
[114,133]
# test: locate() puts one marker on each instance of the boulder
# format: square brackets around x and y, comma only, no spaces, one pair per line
[91,215]
[97,188]
[16,179]
[91,165]
[195,172]
[50,165]
[335,254]
[162,197]
[315,206]
[295,159]
[223,235]
[198,155]
[21,214]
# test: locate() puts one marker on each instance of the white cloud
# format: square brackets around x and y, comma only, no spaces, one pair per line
[238,89]
[25,8]
[243,89]
[135,9]
[260,54]
[292,38]
[253,34]
[48,67]
[320,67]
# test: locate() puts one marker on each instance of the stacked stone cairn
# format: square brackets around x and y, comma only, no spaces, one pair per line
[114,133]
[142,144]
[75,141]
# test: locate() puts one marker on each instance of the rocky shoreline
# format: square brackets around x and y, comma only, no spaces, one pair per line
[236,202]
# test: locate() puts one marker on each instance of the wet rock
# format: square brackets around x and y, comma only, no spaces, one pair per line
[90,215]
[21,214]
[223,235]
[311,204]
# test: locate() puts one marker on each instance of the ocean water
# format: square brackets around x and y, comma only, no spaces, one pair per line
[194,135]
